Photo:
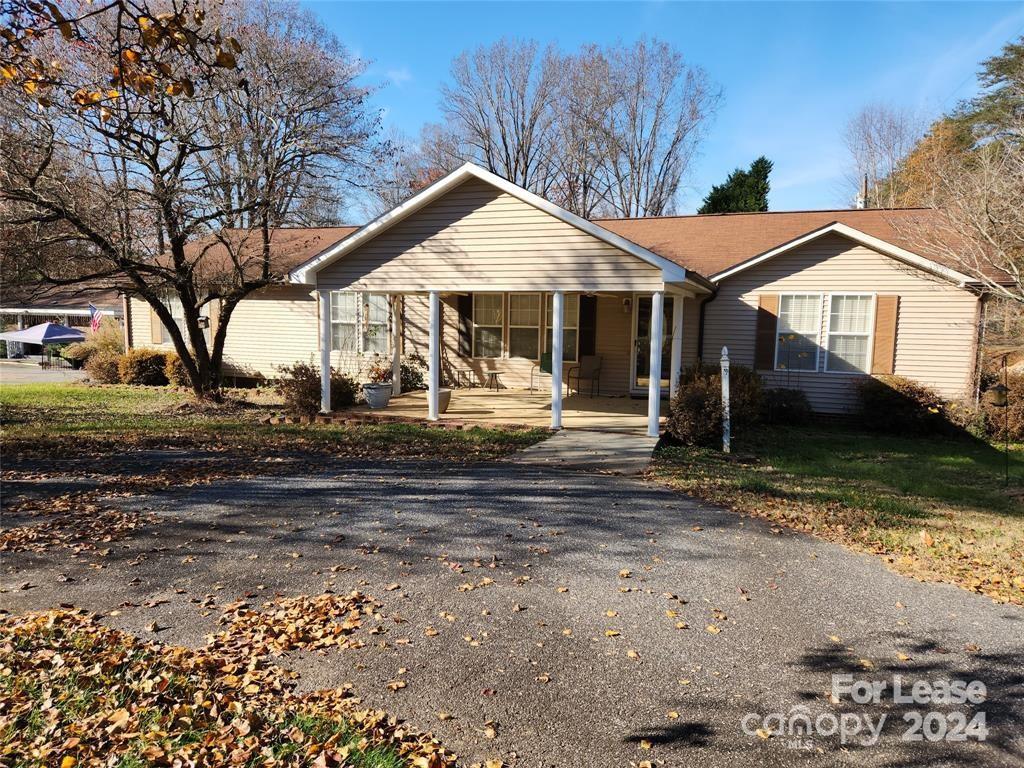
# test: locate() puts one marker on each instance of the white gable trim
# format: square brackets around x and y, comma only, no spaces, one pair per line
[870,241]
[671,272]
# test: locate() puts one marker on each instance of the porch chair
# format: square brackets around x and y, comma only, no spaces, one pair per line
[544,366]
[588,369]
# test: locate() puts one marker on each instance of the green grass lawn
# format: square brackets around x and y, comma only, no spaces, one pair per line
[62,419]
[934,508]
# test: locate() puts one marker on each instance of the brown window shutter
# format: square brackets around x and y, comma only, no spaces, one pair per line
[156,328]
[883,354]
[767,322]
[213,312]
[465,309]
[588,325]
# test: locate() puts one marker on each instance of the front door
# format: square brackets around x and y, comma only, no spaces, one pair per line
[642,344]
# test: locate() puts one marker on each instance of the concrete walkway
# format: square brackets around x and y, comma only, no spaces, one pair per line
[617,453]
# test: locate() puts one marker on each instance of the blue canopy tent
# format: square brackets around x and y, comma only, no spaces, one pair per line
[43,334]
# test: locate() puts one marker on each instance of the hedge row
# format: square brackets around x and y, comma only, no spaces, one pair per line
[145,367]
[891,404]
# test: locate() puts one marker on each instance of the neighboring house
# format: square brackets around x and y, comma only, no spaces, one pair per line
[23,306]
[814,300]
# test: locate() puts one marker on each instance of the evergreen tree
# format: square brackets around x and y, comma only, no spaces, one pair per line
[743,191]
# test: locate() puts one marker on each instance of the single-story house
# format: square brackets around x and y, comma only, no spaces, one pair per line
[22,306]
[477,275]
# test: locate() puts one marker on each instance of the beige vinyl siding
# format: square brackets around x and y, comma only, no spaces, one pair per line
[479,238]
[935,336]
[142,321]
[270,328]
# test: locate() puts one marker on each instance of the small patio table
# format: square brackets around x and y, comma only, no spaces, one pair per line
[464,377]
[494,380]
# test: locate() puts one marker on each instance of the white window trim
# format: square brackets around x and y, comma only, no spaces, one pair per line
[362,324]
[546,324]
[504,349]
[817,344]
[539,327]
[870,332]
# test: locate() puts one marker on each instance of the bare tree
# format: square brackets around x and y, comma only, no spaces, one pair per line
[978,224]
[166,190]
[602,131]
[662,109]
[879,138]
[501,107]
[584,105]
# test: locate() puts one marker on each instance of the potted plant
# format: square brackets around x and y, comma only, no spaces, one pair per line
[378,389]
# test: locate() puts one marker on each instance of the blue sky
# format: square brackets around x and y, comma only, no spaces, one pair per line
[792,73]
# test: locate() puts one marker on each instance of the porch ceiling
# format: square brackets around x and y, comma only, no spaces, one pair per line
[483,406]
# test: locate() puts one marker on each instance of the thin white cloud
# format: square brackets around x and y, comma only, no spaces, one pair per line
[399,76]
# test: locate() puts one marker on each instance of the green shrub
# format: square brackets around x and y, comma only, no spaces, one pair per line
[299,387]
[104,367]
[78,352]
[143,366]
[414,372]
[1008,422]
[174,371]
[785,406]
[695,414]
[901,406]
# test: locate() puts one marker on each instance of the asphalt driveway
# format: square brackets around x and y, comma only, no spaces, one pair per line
[549,618]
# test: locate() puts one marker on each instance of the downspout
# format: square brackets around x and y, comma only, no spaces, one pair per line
[700,325]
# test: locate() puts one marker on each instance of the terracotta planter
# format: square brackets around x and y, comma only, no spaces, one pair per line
[377,395]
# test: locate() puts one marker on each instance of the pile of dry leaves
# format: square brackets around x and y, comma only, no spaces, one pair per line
[74,693]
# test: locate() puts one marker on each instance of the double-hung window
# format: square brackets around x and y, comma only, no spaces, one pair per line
[173,303]
[798,332]
[375,323]
[524,325]
[359,322]
[849,333]
[570,324]
[488,324]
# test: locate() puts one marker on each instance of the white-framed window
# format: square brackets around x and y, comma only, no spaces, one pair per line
[524,325]
[570,325]
[173,303]
[375,323]
[798,332]
[344,321]
[359,322]
[488,324]
[850,321]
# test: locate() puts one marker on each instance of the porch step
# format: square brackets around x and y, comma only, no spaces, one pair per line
[620,453]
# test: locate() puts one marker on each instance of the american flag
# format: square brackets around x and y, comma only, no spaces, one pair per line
[94,317]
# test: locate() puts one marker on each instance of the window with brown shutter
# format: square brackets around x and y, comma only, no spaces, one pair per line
[883,353]
[764,342]
[156,328]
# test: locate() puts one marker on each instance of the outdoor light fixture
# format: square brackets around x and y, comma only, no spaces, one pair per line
[627,306]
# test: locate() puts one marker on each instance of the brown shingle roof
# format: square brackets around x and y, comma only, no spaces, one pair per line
[289,247]
[711,243]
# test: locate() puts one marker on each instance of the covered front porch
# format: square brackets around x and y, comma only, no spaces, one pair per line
[522,407]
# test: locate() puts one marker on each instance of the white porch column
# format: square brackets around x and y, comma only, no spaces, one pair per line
[654,387]
[325,351]
[557,333]
[396,344]
[434,353]
[677,342]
